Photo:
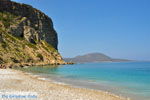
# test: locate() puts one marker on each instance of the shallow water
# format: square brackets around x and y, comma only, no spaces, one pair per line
[129,79]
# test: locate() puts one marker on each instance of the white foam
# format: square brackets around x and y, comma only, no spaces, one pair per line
[40,78]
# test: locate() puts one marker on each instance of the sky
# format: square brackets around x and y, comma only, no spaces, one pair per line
[117,28]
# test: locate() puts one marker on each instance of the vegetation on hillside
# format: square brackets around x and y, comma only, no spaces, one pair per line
[18,50]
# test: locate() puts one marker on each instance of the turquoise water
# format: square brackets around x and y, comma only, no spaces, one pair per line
[131,79]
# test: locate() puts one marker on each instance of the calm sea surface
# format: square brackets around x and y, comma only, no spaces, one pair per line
[129,79]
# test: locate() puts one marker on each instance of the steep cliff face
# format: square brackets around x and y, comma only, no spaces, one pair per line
[31,24]
[26,35]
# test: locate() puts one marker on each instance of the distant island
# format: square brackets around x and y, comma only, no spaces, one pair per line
[94,57]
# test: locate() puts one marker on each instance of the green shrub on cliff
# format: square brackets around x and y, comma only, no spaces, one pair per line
[7,19]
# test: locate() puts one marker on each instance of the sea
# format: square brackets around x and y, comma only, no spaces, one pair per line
[126,79]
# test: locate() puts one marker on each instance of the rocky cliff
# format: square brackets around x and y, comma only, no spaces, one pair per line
[32,24]
[26,35]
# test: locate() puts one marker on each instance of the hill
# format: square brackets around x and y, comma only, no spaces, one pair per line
[26,36]
[93,57]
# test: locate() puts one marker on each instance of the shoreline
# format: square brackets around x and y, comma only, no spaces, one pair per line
[14,80]
[14,65]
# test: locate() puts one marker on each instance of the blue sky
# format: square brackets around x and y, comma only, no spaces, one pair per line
[118,28]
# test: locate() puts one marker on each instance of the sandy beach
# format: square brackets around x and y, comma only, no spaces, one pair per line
[14,81]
